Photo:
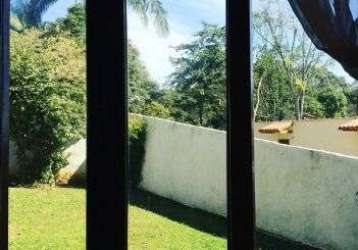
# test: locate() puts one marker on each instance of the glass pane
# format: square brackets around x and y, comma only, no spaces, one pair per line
[48,109]
[305,132]
[177,105]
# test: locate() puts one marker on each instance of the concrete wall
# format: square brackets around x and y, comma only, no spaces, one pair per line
[76,167]
[320,134]
[307,195]
[75,155]
[187,164]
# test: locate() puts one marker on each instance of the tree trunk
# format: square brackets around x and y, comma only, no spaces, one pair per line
[297,107]
[302,105]
[201,111]
[258,96]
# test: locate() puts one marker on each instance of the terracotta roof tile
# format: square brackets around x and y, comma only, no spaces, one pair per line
[277,127]
[349,126]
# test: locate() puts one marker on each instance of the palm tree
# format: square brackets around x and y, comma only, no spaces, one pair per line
[28,13]
[154,9]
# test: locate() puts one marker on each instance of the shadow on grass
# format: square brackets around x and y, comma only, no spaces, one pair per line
[194,218]
[204,221]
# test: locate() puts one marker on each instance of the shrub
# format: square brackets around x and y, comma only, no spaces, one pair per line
[156,109]
[137,137]
[47,91]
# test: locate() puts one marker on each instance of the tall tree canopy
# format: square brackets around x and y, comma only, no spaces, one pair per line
[292,49]
[199,78]
[29,13]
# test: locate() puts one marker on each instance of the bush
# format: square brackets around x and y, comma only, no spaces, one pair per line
[47,91]
[137,137]
[156,109]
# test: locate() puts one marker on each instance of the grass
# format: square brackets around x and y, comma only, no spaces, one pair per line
[158,223]
[54,218]
[46,218]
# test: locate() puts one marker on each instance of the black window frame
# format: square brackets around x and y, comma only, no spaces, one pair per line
[107,140]
[4,121]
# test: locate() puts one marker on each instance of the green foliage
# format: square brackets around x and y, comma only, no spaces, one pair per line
[325,96]
[334,102]
[73,24]
[199,79]
[275,95]
[313,108]
[352,97]
[143,93]
[47,91]
[328,92]
[290,47]
[137,136]
[30,12]
[156,109]
[142,90]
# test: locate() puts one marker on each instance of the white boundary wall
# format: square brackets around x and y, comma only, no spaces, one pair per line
[305,195]
[186,164]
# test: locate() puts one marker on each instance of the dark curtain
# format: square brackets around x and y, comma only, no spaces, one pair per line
[332,28]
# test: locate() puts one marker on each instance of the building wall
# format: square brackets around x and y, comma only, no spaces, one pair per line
[319,134]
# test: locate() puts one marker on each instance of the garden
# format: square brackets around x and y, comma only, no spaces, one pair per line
[48,114]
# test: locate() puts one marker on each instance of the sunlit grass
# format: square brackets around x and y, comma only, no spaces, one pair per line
[54,218]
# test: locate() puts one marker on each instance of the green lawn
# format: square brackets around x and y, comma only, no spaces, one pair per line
[54,218]
[46,218]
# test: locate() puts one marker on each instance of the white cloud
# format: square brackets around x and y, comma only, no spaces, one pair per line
[155,51]
[185,18]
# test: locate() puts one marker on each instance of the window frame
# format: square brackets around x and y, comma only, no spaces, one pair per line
[107,196]
[4,121]
[240,152]
[107,116]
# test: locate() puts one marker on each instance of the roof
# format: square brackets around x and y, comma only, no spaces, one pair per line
[277,127]
[349,126]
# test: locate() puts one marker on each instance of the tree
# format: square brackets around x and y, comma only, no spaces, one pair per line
[352,96]
[143,92]
[73,24]
[292,49]
[29,12]
[199,78]
[273,100]
[330,91]
[154,9]
[334,102]
[48,101]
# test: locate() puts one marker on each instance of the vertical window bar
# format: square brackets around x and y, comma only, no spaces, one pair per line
[107,125]
[4,122]
[241,200]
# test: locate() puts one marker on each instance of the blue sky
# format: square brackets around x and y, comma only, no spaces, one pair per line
[185,18]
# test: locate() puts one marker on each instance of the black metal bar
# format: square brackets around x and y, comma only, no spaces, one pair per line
[107,125]
[4,122]
[241,200]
